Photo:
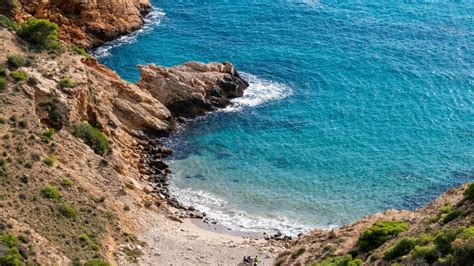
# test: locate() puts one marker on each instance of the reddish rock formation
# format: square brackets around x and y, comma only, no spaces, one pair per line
[193,88]
[88,23]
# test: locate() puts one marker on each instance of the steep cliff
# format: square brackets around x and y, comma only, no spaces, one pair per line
[88,23]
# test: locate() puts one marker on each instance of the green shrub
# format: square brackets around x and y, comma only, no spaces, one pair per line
[48,134]
[16,61]
[469,192]
[51,192]
[66,83]
[56,113]
[92,137]
[467,233]
[427,253]
[8,23]
[403,246]
[67,211]
[40,33]
[451,216]
[346,260]
[9,240]
[463,253]
[3,70]
[50,160]
[376,235]
[96,262]
[66,182]
[80,51]
[11,257]
[446,208]
[19,75]
[443,240]
[3,84]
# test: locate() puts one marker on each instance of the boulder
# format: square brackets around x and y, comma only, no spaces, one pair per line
[194,88]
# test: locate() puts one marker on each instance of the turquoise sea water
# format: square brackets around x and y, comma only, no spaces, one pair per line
[353,107]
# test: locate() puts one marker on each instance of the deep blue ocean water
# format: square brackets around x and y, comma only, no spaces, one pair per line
[353,107]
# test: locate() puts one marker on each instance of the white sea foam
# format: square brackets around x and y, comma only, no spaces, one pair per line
[151,20]
[234,219]
[260,91]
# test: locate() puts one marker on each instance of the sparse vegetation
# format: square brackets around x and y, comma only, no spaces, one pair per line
[8,23]
[451,216]
[19,75]
[376,235]
[16,61]
[92,137]
[66,182]
[3,84]
[40,33]
[11,255]
[469,192]
[3,70]
[50,160]
[67,211]
[66,83]
[346,260]
[80,51]
[51,192]
[96,262]
[48,134]
[403,247]
[56,113]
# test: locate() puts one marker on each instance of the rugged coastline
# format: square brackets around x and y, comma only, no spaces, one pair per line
[128,184]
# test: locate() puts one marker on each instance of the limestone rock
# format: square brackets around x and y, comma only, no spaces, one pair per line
[193,88]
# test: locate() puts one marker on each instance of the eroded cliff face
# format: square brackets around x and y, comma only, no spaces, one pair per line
[88,23]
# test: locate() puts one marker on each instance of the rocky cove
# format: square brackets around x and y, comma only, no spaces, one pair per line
[122,210]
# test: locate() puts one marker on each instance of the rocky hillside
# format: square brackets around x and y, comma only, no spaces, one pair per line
[79,146]
[441,233]
[87,23]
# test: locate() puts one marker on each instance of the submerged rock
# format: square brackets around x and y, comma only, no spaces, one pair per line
[193,88]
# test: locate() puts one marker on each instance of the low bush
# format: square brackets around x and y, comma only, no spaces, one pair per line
[8,23]
[469,192]
[376,235]
[51,192]
[446,208]
[463,253]
[3,70]
[443,240]
[92,137]
[3,84]
[403,247]
[96,262]
[67,211]
[19,75]
[16,61]
[56,113]
[80,51]
[50,160]
[48,134]
[10,255]
[346,260]
[66,83]
[66,182]
[40,33]
[427,253]
[451,216]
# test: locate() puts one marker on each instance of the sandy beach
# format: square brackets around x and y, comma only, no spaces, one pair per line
[171,242]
